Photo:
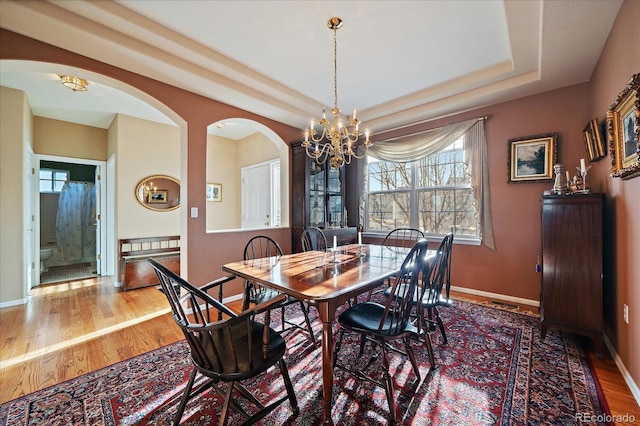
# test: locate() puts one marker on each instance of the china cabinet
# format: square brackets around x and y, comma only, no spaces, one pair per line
[318,192]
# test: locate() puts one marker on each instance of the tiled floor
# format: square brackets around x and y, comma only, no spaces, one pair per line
[66,273]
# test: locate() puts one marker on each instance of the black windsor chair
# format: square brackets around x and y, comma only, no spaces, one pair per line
[226,351]
[259,247]
[385,324]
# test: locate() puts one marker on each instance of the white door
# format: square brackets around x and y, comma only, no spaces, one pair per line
[31,194]
[98,224]
[257,196]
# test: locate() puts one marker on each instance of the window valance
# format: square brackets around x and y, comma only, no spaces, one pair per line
[418,145]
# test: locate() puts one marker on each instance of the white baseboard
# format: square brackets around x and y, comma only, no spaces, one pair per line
[501,297]
[13,303]
[232,298]
[633,387]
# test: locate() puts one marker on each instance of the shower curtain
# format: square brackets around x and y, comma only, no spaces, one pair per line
[76,220]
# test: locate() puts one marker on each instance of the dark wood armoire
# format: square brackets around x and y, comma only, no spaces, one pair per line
[572,265]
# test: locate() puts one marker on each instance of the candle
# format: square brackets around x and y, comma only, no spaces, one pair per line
[360,238]
[335,242]
[583,166]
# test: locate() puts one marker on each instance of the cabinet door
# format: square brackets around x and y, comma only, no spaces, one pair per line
[317,193]
[572,263]
[335,207]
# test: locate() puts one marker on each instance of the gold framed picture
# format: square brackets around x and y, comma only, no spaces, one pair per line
[593,142]
[214,192]
[623,132]
[157,196]
[531,158]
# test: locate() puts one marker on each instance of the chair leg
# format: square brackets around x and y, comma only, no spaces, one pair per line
[440,325]
[412,357]
[224,415]
[305,311]
[427,343]
[336,348]
[287,384]
[388,383]
[185,397]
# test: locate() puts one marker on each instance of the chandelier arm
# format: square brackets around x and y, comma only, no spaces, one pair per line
[320,155]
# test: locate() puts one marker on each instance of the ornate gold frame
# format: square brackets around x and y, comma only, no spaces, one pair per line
[593,142]
[625,151]
[548,143]
[157,204]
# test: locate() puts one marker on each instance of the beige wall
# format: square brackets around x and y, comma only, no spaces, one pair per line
[222,168]
[15,136]
[64,139]
[256,149]
[143,148]
[225,159]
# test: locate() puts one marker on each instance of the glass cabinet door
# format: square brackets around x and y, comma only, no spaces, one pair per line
[335,209]
[325,195]
[317,194]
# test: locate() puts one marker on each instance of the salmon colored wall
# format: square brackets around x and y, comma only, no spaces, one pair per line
[620,59]
[510,270]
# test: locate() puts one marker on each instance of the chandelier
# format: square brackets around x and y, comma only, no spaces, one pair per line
[148,189]
[337,142]
[74,83]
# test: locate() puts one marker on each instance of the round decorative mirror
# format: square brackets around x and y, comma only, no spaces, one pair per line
[159,192]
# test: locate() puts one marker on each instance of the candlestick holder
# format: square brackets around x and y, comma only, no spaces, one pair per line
[583,173]
[360,252]
[335,255]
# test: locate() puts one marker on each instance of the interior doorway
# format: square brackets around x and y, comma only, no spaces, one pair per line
[69,233]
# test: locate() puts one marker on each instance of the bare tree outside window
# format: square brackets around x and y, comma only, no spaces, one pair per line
[433,194]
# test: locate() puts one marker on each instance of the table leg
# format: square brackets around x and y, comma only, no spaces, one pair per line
[327,315]
[327,371]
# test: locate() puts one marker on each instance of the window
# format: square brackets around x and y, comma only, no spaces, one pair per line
[433,194]
[52,180]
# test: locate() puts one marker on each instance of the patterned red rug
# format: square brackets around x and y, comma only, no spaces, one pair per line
[493,370]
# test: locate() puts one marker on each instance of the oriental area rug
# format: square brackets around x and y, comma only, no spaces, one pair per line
[493,370]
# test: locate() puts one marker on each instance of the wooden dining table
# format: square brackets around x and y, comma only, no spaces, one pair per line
[326,280]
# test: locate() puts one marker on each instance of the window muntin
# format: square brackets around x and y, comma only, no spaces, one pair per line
[52,180]
[438,201]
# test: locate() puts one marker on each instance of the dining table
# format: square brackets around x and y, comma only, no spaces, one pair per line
[326,280]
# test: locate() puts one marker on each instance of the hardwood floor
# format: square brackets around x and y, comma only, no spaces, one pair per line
[70,329]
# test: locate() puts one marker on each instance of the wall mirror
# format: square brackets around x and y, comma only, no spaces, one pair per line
[159,192]
[251,163]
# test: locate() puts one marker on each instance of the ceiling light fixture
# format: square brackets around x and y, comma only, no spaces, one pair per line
[74,83]
[337,141]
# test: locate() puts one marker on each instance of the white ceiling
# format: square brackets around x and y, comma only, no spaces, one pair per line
[399,62]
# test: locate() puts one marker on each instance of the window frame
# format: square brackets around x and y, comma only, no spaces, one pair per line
[414,192]
[52,180]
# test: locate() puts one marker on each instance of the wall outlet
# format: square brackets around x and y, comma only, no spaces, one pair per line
[625,313]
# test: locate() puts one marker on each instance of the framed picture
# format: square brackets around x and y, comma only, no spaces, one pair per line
[593,141]
[214,192]
[623,132]
[531,158]
[157,196]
